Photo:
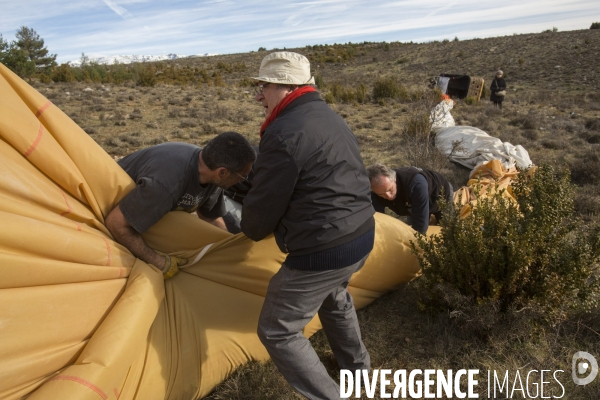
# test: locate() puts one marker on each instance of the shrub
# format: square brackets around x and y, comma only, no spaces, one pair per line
[529,121]
[339,93]
[45,78]
[62,74]
[319,82]
[361,93]
[329,98]
[223,66]
[417,138]
[119,73]
[217,80]
[246,83]
[388,88]
[592,124]
[471,100]
[530,252]
[417,125]
[586,168]
[146,76]
[595,25]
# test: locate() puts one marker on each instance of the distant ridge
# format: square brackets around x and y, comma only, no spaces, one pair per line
[108,60]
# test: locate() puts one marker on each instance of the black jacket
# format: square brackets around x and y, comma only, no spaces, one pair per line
[401,205]
[310,186]
[497,85]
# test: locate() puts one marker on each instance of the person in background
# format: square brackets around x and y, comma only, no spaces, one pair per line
[177,177]
[311,190]
[409,191]
[498,85]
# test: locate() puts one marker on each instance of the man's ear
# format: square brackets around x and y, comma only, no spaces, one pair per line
[222,172]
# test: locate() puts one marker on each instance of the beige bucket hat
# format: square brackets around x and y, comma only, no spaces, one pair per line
[286,68]
[499,73]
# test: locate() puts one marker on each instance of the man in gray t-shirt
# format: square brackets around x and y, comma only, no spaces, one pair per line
[177,177]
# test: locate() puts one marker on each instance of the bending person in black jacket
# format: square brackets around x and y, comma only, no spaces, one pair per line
[409,191]
[311,190]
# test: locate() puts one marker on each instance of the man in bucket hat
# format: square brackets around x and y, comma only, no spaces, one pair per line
[312,191]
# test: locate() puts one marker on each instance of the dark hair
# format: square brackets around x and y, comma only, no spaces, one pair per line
[229,150]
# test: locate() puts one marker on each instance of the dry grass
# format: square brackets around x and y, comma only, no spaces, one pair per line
[552,109]
[398,336]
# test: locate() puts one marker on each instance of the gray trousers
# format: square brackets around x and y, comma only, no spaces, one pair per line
[293,298]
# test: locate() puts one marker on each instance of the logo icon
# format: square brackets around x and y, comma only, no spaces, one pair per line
[590,365]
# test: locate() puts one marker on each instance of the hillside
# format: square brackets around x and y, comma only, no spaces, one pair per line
[552,108]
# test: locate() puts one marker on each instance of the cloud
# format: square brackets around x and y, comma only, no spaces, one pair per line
[222,26]
[118,9]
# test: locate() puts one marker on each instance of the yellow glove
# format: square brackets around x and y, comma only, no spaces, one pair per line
[172,265]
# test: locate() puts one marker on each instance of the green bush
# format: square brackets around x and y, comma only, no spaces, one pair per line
[417,125]
[595,25]
[62,74]
[470,100]
[339,93]
[96,72]
[529,253]
[217,79]
[225,67]
[45,78]
[329,99]
[388,88]
[246,83]
[361,93]
[119,73]
[146,76]
[319,82]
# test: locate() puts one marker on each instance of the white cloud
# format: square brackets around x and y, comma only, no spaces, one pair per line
[116,8]
[222,26]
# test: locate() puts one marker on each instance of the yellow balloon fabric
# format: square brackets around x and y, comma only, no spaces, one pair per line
[82,318]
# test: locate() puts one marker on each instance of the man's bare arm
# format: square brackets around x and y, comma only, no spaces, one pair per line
[124,233]
[218,222]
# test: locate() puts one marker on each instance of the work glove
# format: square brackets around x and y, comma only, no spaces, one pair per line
[172,265]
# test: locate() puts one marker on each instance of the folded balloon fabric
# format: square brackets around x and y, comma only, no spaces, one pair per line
[82,318]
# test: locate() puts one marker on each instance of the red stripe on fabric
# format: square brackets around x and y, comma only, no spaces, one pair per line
[36,142]
[69,209]
[81,381]
[116,393]
[107,252]
[42,109]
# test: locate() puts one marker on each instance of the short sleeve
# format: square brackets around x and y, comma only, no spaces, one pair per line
[146,204]
[214,206]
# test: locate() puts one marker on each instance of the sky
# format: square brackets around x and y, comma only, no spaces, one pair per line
[184,27]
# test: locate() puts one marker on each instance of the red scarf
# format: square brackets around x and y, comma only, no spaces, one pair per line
[283,104]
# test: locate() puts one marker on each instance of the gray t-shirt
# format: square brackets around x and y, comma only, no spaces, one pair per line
[166,176]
